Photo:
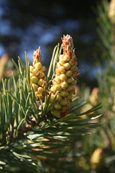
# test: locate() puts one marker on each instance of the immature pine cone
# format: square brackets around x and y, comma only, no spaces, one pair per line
[37,75]
[65,78]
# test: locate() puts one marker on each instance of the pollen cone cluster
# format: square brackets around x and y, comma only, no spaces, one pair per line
[65,78]
[37,75]
[112,11]
[97,159]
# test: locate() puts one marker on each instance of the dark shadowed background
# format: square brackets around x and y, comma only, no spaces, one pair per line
[28,24]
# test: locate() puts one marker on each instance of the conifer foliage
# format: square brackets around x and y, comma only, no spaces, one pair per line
[40,116]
